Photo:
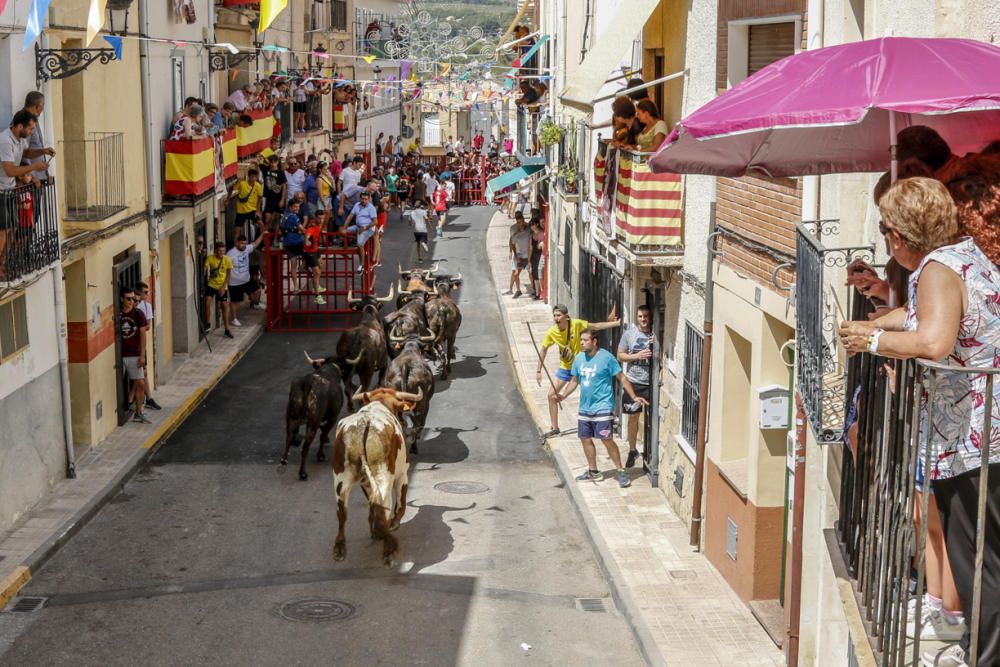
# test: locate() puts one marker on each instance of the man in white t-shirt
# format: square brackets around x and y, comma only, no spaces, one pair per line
[431,185]
[352,174]
[460,146]
[241,280]
[294,178]
[449,186]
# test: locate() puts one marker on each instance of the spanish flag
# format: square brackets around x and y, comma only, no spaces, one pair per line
[269,10]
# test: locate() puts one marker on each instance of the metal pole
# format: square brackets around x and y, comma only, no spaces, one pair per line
[984,471]
[795,604]
[653,413]
[644,86]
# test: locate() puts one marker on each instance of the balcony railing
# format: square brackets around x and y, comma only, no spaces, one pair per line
[636,206]
[29,231]
[375,33]
[820,371]
[95,190]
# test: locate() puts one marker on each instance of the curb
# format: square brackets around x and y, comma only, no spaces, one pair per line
[10,586]
[620,593]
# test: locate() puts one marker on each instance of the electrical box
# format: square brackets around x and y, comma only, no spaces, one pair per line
[774,402]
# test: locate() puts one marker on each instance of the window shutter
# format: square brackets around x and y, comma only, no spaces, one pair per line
[770,42]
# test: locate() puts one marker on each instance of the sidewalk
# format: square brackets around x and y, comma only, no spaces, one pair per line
[103,469]
[681,610]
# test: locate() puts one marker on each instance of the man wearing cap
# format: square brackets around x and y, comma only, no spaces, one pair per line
[565,335]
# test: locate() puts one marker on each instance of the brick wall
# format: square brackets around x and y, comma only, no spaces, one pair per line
[764,211]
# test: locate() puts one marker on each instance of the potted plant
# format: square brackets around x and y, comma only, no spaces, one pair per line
[569,177]
[550,133]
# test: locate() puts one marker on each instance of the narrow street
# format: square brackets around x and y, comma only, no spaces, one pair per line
[212,556]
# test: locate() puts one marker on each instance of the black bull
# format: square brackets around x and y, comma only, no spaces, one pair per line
[409,372]
[314,400]
[444,319]
[363,349]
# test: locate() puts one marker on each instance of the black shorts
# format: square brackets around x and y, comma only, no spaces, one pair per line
[641,391]
[238,292]
[272,205]
[536,261]
[300,107]
[219,295]
[243,218]
[295,250]
[311,259]
[420,237]
[522,262]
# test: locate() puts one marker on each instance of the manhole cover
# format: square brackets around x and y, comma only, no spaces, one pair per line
[461,487]
[316,611]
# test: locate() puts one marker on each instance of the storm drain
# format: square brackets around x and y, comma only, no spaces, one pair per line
[463,488]
[599,605]
[316,611]
[683,574]
[29,604]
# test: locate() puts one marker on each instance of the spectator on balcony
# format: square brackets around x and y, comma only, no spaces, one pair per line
[508,146]
[294,177]
[34,103]
[655,130]
[300,103]
[14,147]
[222,118]
[188,103]
[187,125]
[637,95]
[924,144]
[627,126]
[529,95]
[379,143]
[525,42]
[240,98]
[249,204]
[399,146]
[950,314]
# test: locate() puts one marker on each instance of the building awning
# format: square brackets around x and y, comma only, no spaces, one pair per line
[586,80]
[495,185]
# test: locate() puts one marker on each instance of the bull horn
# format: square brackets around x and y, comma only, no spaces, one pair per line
[396,339]
[358,395]
[413,398]
[433,269]
[308,358]
[401,290]
[350,299]
[458,278]
[402,273]
[355,360]
[428,338]
[392,294]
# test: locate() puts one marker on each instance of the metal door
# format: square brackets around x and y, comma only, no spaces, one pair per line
[600,289]
[127,273]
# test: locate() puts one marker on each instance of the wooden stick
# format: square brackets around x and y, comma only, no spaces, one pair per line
[539,353]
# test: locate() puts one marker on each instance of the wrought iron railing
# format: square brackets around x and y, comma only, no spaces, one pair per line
[693,343]
[95,190]
[29,231]
[820,376]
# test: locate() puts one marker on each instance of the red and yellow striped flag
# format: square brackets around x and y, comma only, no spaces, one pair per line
[649,205]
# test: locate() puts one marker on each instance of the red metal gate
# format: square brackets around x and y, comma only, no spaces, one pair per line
[291,294]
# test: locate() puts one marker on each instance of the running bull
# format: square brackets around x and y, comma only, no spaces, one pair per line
[365,343]
[444,319]
[314,400]
[409,372]
[370,449]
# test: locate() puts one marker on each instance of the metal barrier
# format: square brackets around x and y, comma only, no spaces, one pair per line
[291,304]
[97,189]
[29,230]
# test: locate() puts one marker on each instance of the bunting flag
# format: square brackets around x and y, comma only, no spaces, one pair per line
[368,59]
[95,19]
[445,68]
[404,69]
[3,5]
[36,17]
[269,10]
[116,44]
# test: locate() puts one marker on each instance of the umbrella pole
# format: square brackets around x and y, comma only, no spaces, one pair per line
[893,166]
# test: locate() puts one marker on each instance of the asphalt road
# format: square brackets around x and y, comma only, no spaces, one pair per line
[212,556]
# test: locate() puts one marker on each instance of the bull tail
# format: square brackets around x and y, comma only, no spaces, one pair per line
[376,497]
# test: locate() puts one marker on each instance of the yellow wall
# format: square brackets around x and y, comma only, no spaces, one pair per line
[165,343]
[665,34]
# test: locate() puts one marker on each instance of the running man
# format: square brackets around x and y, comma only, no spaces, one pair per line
[565,335]
[418,221]
[594,371]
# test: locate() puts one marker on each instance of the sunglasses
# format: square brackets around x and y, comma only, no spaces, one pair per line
[883,229]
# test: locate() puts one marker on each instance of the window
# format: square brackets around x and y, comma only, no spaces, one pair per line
[756,43]
[431,129]
[13,327]
[693,340]
[338,15]
[177,82]
[568,254]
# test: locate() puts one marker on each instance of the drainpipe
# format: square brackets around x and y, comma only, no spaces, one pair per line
[59,302]
[152,225]
[703,387]
[795,599]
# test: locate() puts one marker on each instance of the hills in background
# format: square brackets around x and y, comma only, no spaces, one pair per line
[493,16]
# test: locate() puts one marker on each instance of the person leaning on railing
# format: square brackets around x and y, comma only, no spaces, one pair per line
[953,314]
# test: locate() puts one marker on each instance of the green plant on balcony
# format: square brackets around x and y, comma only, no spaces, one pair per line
[551,133]
[569,177]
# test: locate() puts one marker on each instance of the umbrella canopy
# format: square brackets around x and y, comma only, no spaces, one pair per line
[834,109]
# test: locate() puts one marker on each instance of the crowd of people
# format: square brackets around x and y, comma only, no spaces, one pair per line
[938,301]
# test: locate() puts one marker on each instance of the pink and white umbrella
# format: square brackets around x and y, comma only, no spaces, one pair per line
[838,109]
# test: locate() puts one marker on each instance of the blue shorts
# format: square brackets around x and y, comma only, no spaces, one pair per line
[595,426]
[564,375]
[363,234]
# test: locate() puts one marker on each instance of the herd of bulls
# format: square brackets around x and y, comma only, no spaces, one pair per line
[371,445]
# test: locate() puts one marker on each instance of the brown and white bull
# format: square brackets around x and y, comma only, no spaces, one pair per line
[370,449]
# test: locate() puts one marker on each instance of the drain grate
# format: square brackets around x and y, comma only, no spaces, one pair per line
[462,488]
[316,610]
[683,574]
[29,604]
[599,605]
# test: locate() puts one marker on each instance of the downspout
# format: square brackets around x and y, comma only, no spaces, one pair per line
[795,599]
[703,386]
[59,299]
[152,226]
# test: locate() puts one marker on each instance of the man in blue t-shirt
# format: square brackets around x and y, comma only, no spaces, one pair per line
[363,215]
[595,371]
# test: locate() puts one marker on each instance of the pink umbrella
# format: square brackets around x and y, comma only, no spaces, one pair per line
[838,109]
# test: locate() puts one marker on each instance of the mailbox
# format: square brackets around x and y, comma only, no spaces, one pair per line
[773,406]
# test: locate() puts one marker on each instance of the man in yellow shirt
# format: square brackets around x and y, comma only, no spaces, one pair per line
[565,335]
[249,204]
[219,267]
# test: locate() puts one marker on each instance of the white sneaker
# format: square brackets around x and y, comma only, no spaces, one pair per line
[951,656]
[423,244]
[237,323]
[935,627]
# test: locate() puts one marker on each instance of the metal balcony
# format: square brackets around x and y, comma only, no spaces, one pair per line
[29,231]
